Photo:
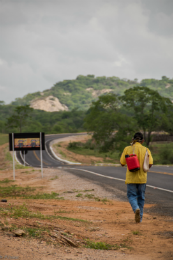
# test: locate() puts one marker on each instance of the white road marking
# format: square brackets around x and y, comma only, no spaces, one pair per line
[157,188]
[58,158]
[48,152]
[109,177]
[21,158]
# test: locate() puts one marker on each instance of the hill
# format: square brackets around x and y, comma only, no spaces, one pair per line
[79,93]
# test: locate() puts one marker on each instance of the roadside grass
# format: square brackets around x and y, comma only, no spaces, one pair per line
[44,196]
[15,191]
[136,233]
[100,245]
[35,232]
[4,139]
[63,154]
[91,196]
[79,195]
[86,149]
[23,212]
[61,211]
[74,190]
[8,156]
[55,178]
[162,152]
[6,181]
[9,159]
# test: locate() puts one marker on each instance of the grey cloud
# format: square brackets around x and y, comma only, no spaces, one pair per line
[44,42]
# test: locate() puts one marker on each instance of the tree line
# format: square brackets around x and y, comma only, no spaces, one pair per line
[26,119]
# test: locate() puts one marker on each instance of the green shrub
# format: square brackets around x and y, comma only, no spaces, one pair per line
[98,245]
[166,154]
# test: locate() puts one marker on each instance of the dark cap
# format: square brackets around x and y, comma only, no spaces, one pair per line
[138,136]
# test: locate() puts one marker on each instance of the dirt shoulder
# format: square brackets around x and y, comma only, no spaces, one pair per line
[59,228]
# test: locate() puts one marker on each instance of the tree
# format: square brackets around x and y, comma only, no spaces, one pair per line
[2,103]
[111,129]
[20,117]
[148,107]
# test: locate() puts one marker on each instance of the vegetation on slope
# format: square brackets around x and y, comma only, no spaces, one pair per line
[80,93]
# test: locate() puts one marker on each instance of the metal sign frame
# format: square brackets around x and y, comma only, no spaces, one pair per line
[13,136]
[32,145]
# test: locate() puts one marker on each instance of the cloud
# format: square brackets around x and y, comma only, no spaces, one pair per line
[44,42]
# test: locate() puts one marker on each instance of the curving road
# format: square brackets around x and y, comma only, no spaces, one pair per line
[159,186]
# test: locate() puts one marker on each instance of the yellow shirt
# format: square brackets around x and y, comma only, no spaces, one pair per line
[139,176]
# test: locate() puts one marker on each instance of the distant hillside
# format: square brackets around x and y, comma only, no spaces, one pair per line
[79,93]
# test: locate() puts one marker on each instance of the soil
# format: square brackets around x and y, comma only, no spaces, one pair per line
[106,220]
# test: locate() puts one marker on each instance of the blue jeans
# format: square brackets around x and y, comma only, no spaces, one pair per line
[136,196]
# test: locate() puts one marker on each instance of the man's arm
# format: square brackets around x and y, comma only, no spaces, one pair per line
[150,165]
[122,159]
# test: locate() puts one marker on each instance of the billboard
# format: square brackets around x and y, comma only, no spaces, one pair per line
[26,141]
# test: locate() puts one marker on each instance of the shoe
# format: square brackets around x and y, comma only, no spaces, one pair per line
[137,216]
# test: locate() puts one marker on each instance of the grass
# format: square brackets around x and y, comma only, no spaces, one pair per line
[4,139]
[104,200]
[61,211]
[52,195]
[30,231]
[91,196]
[63,154]
[89,149]
[35,232]
[15,191]
[162,153]
[55,178]
[23,212]
[79,195]
[136,232]
[5,181]
[112,157]
[8,156]
[9,159]
[100,245]
[25,192]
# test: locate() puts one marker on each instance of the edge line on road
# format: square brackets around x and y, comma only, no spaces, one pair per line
[109,177]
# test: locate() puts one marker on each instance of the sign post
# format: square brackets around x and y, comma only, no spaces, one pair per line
[13,157]
[26,142]
[24,157]
[41,157]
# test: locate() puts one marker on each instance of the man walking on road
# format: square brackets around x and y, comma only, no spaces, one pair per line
[136,181]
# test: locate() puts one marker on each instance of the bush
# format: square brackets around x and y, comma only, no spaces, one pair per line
[74,145]
[166,154]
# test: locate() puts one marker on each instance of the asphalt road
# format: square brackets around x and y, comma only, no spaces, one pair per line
[159,185]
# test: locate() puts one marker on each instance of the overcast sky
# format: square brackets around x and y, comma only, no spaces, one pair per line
[43,42]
